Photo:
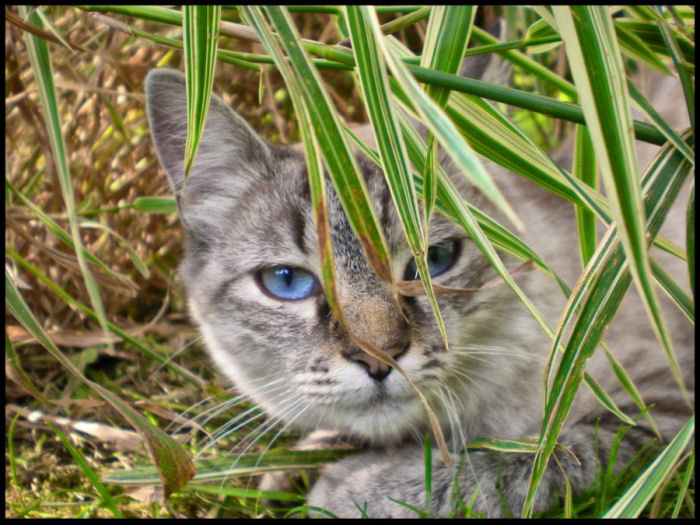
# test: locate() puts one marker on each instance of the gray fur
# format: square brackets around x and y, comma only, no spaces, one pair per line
[246,206]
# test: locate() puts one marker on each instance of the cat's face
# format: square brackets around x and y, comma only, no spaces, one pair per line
[251,272]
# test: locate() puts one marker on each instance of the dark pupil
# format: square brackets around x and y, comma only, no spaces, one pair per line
[435,253]
[287,274]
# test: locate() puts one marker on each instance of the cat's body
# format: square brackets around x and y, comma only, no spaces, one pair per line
[246,208]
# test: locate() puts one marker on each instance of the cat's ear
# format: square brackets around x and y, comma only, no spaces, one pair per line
[230,153]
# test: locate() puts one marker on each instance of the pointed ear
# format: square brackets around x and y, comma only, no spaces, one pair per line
[229,158]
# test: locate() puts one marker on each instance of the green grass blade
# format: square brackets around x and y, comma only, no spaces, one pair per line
[687,476]
[690,237]
[604,398]
[636,49]
[40,59]
[631,389]
[314,168]
[604,284]
[164,205]
[687,81]
[200,37]
[643,105]
[223,468]
[673,290]
[174,464]
[393,155]
[633,501]
[445,43]
[599,74]
[584,168]
[445,131]
[340,162]
[73,303]
[94,479]
[60,233]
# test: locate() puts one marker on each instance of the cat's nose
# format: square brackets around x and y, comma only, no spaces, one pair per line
[376,369]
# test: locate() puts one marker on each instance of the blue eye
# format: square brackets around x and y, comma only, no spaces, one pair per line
[441,257]
[287,283]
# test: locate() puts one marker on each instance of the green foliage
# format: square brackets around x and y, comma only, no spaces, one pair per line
[88,221]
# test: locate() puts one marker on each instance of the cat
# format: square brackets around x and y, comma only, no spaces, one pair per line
[251,274]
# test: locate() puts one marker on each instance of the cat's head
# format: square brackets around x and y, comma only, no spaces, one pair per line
[251,272]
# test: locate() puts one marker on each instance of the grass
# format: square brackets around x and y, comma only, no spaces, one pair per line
[88,244]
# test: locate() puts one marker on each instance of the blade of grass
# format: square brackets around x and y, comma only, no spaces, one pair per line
[604,283]
[40,60]
[635,498]
[598,71]
[690,237]
[94,479]
[200,30]
[174,464]
[314,169]
[445,43]
[341,164]
[393,156]
[584,168]
[643,105]
[445,132]
[73,303]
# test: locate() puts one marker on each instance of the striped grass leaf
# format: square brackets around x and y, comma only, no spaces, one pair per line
[340,162]
[605,400]
[541,29]
[393,157]
[452,200]
[599,74]
[673,289]
[90,474]
[649,32]
[314,164]
[603,283]
[173,462]
[635,48]
[690,237]
[224,468]
[496,137]
[585,169]
[445,43]
[243,493]
[40,60]
[527,64]
[200,37]
[444,130]
[685,483]
[635,498]
[496,233]
[77,305]
[626,381]
[687,80]
[538,103]
[643,105]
